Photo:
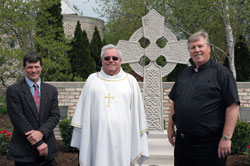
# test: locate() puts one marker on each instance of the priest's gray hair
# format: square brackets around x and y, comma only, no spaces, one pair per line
[109,46]
[196,36]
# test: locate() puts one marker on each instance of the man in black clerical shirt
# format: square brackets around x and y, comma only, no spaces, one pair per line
[204,109]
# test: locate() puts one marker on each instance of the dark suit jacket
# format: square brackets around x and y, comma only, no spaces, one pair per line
[25,117]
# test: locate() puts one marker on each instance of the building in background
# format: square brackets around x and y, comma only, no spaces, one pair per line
[71,16]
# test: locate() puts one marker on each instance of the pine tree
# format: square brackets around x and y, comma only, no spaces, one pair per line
[55,12]
[51,43]
[104,42]
[89,65]
[82,63]
[95,48]
[76,51]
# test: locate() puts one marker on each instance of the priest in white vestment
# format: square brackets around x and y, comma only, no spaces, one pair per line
[110,127]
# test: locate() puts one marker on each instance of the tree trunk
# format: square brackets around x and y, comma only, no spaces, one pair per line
[230,43]
[229,35]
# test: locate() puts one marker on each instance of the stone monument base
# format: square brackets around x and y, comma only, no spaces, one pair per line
[160,150]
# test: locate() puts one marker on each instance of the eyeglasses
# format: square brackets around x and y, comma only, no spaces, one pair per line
[107,58]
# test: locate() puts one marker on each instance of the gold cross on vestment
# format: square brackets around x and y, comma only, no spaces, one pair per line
[109,97]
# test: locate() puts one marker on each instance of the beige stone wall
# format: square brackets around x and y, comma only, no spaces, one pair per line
[69,92]
[244,93]
[87,23]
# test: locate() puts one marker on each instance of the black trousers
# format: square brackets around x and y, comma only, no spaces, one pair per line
[197,151]
[39,162]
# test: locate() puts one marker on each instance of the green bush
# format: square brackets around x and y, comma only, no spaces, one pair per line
[3,106]
[66,133]
[248,156]
[241,138]
[5,137]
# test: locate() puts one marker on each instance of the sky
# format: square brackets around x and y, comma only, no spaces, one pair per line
[86,7]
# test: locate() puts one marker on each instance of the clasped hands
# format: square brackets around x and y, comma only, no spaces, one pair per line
[34,136]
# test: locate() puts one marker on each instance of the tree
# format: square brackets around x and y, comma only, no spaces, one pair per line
[81,61]
[242,59]
[123,18]
[229,35]
[10,66]
[76,50]
[219,18]
[17,24]
[89,63]
[216,17]
[24,24]
[95,49]
[51,42]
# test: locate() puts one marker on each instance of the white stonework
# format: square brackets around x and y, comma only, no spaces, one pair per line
[174,52]
[87,23]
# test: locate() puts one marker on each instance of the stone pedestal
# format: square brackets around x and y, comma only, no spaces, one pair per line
[160,150]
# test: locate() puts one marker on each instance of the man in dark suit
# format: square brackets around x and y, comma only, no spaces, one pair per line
[33,109]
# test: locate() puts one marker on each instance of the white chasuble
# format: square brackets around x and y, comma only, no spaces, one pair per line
[110,127]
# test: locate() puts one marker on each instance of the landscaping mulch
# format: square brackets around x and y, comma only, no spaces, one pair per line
[71,158]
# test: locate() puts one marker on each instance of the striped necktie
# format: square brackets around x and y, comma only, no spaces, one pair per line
[37,96]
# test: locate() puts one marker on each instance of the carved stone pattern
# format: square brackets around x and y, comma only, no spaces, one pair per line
[137,35]
[153,15]
[167,69]
[168,35]
[153,24]
[152,83]
[153,51]
[137,68]
[130,51]
[176,52]
[153,112]
[153,29]
[152,96]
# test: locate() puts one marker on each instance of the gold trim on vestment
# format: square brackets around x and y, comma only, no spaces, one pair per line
[133,162]
[75,125]
[112,80]
[143,131]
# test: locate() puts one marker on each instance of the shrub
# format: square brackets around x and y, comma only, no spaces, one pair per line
[248,156]
[3,107]
[241,137]
[5,137]
[66,133]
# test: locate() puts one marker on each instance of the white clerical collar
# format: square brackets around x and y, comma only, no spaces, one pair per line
[120,76]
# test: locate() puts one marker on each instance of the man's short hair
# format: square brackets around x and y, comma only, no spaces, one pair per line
[109,46]
[32,57]
[196,36]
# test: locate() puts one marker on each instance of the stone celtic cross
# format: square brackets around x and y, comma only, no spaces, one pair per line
[174,52]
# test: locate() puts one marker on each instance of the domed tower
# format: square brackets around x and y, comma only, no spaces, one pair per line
[71,16]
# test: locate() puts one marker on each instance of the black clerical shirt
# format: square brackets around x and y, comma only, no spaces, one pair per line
[201,97]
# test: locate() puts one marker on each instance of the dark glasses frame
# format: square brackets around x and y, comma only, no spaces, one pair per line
[107,58]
